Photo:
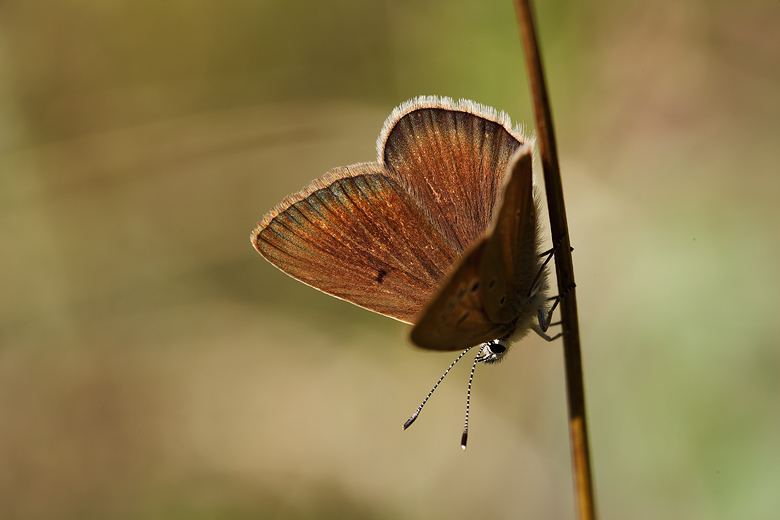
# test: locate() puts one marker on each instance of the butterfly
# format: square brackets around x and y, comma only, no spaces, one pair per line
[440,232]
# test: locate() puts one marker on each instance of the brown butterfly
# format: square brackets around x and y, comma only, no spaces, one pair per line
[440,232]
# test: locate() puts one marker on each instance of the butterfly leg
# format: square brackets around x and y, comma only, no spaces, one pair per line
[535,284]
[552,251]
[544,317]
[536,328]
[549,254]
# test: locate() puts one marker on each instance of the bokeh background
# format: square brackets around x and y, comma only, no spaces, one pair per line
[153,365]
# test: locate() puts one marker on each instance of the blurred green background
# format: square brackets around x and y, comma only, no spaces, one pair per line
[153,365]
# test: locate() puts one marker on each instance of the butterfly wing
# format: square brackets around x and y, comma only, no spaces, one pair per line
[455,318]
[487,293]
[357,235]
[451,158]
[510,261]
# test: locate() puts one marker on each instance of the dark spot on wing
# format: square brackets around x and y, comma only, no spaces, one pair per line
[380,276]
[462,318]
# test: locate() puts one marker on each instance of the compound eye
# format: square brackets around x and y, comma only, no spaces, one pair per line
[497,348]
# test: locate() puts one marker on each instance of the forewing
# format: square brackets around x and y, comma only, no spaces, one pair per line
[510,261]
[456,319]
[356,234]
[451,158]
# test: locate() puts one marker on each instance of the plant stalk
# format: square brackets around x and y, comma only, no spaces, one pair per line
[575,390]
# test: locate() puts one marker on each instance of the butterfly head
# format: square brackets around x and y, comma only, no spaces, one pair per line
[492,351]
